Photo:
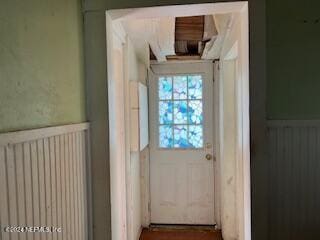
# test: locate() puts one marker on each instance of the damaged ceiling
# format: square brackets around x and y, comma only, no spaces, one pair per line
[180,38]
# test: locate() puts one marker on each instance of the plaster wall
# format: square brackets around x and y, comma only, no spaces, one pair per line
[136,72]
[41,64]
[125,184]
[293,36]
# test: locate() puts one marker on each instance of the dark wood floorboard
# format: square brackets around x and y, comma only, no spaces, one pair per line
[178,234]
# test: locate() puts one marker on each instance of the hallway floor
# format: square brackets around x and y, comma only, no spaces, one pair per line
[179,234]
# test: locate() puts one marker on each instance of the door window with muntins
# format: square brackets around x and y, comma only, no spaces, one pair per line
[180,111]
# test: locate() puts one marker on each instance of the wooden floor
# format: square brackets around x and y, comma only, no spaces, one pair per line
[179,234]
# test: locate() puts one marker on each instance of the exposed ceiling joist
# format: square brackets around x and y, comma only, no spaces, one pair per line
[183,57]
[188,34]
[189,28]
[181,38]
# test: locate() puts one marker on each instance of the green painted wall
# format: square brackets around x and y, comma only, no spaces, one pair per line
[293,50]
[41,64]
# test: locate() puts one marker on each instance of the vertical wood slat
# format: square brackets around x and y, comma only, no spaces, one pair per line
[76,180]
[13,215]
[80,186]
[84,185]
[63,188]
[42,186]
[58,183]
[80,176]
[20,188]
[70,186]
[294,176]
[72,173]
[4,207]
[35,186]
[28,187]
[42,183]
[48,184]
[53,184]
[67,182]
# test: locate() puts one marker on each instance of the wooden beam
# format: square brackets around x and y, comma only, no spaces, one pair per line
[152,55]
[189,28]
[183,57]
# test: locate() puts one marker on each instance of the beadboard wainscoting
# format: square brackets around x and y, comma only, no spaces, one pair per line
[294,177]
[44,180]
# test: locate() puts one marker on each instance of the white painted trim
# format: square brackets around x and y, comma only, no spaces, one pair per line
[34,134]
[233,52]
[89,185]
[239,53]
[116,41]
[140,231]
[119,31]
[177,10]
[216,149]
[180,68]
[155,62]
[204,9]
[246,124]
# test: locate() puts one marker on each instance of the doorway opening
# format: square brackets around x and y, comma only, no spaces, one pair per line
[178,84]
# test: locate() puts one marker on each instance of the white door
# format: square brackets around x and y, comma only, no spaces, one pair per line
[181,150]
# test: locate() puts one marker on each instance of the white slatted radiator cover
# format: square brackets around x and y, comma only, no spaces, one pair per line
[43,182]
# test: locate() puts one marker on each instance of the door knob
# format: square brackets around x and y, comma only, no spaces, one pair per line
[208,156]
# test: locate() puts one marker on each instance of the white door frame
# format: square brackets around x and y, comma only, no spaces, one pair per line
[116,16]
[117,126]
